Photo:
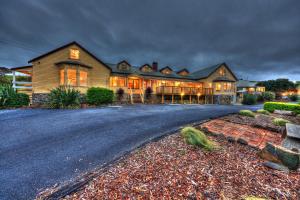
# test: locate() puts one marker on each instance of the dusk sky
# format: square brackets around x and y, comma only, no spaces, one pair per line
[258,39]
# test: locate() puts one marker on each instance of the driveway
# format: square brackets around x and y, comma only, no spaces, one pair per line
[39,148]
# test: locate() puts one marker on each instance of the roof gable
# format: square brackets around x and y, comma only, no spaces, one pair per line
[166,70]
[65,46]
[146,68]
[183,72]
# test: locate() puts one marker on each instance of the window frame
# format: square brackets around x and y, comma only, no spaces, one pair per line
[73,56]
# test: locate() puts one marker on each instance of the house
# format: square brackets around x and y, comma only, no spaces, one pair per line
[75,66]
[247,87]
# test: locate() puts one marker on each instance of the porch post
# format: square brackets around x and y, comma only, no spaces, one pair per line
[14,79]
[172,94]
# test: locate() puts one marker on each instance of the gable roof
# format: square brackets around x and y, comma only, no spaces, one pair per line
[183,70]
[206,72]
[167,67]
[144,65]
[67,45]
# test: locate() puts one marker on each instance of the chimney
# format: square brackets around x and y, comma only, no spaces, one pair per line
[155,66]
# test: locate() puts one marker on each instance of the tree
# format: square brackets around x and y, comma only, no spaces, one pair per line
[278,85]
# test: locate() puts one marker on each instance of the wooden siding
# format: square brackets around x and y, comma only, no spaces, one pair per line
[46,74]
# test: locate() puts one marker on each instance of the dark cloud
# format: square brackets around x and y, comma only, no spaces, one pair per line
[259,39]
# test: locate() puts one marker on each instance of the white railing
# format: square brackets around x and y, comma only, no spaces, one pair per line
[20,85]
[142,95]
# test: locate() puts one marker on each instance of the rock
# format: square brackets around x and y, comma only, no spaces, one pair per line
[284,112]
[242,141]
[230,139]
[280,155]
[291,143]
[276,166]
[293,130]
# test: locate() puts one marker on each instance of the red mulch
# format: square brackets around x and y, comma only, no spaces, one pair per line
[171,169]
[256,137]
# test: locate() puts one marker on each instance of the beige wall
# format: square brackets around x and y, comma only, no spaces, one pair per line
[209,80]
[46,74]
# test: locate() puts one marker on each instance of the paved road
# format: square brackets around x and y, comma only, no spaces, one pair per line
[39,148]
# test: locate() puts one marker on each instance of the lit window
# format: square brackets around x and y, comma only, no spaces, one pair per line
[209,85]
[71,75]
[134,83]
[222,72]
[227,86]
[62,76]
[74,54]
[117,82]
[83,78]
[218,87]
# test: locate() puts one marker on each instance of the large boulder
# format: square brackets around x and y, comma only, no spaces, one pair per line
[281,155]
[284,112]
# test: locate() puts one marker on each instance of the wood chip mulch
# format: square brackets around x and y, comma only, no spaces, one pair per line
[171,169]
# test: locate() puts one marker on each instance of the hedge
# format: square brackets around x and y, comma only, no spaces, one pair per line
[271,106]
[97,96]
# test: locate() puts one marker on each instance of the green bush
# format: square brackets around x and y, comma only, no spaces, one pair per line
[97,96]
[262,111]
[64,97]
[247,113]
[9,98]
[280,121]
[259,98]
[271,106]
[249,99]
[293,97]
[197,138]
[268,96]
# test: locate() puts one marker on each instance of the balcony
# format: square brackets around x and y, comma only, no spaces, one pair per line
[175,90]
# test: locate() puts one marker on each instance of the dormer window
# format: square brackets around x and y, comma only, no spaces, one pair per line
[74,54]
[146,68]
[222,72]
[166,70]
[123,66]
[183,72]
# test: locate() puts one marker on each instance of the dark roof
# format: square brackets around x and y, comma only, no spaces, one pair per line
[21,67]
[200,74]
[71,62]
[246,83]
[222,79]
[4,70]
[64,46]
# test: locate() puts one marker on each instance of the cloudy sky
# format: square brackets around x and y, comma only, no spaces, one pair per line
[259,39]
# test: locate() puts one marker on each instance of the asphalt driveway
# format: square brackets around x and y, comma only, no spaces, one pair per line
[39,148]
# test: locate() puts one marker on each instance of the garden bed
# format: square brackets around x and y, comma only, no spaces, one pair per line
[170,168]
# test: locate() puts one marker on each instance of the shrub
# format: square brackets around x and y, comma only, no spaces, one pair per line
[268,96]
[271,106]
[293,97]
[64,97]
[97,96]
[280,121]
[148,92]
[259,98]
[10,98]
[262,111]
[197,138]
[249,99]
[120,93]
[247,113]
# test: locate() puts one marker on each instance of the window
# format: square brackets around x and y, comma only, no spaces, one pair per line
[218,87]
[83,78]
[209,85]
[74,54]
[227,86]
[134,83]
[62,76]
[71,77]
[117,81]
[222,72]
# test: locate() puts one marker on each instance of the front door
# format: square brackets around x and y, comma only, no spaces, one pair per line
[134,83]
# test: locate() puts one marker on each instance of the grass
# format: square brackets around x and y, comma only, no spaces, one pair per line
[280,121]
[262,111]
[197,138]
[247,113]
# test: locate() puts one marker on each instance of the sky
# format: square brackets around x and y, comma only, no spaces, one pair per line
[258,39]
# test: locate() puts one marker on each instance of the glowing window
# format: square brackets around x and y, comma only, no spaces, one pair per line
[227,86]
[134,83]
[83,78]
[117,81]
[71,77]
[62,76]
[209,85]
[222,72]
[74,54]
[218,87]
